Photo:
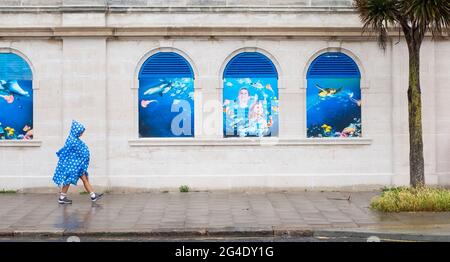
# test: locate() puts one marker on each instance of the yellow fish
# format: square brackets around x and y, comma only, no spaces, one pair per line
[9,130]
[326,128]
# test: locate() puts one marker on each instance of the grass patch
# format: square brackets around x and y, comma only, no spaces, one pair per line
[84,193]
[406,199]
[184,189]
[4,191]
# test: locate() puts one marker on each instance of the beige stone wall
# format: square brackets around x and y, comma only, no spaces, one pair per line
[90,74]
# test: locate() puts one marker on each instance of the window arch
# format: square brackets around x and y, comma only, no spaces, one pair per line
[166,96]
[250,96]
[333,97]
[16,98]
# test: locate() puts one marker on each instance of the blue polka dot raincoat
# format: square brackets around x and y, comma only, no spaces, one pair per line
[73,158]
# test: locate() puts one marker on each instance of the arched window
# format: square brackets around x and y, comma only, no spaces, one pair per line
[250,96]
[333,97]
[166,96]
[16,98]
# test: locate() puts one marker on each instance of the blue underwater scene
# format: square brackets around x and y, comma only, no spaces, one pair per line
[250,107]
[166,107]
[16,109]
[333,107]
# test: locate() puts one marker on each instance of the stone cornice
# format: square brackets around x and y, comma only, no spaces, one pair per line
[187,31]
[182,31]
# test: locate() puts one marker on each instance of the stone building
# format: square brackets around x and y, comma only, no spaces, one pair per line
[329,107]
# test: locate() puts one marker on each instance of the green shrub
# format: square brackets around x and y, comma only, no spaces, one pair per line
[5,191]
[405,199]
[184,188]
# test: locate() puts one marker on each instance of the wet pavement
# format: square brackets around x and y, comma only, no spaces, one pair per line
[211,214]
[185,240]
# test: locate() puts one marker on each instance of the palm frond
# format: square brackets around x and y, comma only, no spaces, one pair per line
[378,15]
[432,15]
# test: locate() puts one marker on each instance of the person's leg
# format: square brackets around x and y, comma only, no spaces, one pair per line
[86,184]
[89,189]
[65,188]
[63,195]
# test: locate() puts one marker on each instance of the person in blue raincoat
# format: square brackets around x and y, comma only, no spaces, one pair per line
[73,164]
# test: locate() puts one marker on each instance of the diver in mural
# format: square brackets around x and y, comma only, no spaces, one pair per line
[238,110]
[72,165]
[258,125]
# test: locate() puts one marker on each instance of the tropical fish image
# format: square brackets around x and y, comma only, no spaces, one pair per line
[324,92]
[257,85]
[162,89]
[12,87]
[191,95]
[157,98]
[165,86]
[326,128]
[269,124]
[269,87]
[333,107]
[6,93]
[28,135]
[242,81]
[8,98]
[349,130]
[16,97]
[145,103]
[357,102]
[9,131]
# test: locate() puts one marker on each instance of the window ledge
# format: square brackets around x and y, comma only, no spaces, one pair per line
[20,143]
[247,141]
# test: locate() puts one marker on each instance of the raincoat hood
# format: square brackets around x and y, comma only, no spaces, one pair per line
[76,129]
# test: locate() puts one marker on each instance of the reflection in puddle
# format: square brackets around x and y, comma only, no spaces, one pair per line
[71,218]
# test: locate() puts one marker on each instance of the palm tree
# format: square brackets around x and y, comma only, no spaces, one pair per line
[415,18]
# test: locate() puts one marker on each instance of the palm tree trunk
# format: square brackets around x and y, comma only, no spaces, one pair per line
[416,161]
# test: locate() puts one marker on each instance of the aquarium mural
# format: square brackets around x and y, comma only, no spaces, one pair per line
[166,97]
[250,107]
[16,98]
[333,97]
[250,96]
